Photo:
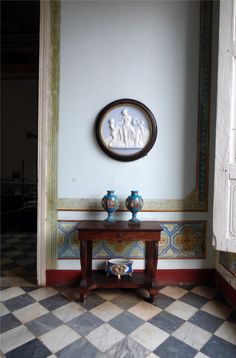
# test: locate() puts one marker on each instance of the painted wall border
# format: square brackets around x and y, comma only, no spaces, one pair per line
[197,200]
[205,232]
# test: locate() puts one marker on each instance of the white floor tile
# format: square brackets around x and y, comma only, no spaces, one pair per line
[227,331]
[181,310]
[42,293]
[173,291]
[106,311]
[30,312]
[11,292]
[192,335]
[149,336]
[144,310]
[59,338]
[15,338]
[69,311]
[3,310]
[200,355]
[217,309]
[104,337]
[205,291]
[108,294]
[152,355]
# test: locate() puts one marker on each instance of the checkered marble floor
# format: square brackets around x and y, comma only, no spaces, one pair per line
[182,322]
[18,254]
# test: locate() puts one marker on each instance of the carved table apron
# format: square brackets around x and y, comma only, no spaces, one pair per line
[92,230]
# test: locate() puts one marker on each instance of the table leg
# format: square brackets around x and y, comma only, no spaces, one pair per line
[151,266]
[86,265]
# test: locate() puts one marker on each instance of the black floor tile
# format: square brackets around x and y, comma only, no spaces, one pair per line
[32,349]
[174,348]
[56,301]
[8,322]
[166,321]
[163,301]
[206,321]
[126,322]
[29,289]
[85,323]
[219,348]
[43,324]
[80,348]
[92,301]
[194,300]
[18,302]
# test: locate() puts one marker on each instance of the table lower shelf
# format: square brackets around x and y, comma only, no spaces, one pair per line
[98,279]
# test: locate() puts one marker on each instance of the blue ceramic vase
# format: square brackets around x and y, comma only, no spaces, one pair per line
[134,204]
[110,204]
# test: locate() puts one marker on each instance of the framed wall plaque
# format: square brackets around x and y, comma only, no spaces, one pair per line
[126,130]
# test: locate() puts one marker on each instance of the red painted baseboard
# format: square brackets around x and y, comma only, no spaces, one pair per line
[62,277]
[164,277]
[186,277]
[226,289]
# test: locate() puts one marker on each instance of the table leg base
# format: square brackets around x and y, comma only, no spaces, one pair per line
[153,294]
[83,296]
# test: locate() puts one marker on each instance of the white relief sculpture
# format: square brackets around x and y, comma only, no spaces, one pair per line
[129,133]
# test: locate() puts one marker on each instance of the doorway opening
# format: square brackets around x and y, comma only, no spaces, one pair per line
[19,113]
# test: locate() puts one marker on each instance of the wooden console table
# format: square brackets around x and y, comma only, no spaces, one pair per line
[91,230]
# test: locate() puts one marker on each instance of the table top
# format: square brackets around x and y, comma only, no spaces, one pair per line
[98,225]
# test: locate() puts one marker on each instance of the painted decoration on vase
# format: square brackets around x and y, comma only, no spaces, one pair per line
[134,203]
[110,203]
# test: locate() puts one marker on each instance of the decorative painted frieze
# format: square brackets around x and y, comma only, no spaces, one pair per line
[179,240]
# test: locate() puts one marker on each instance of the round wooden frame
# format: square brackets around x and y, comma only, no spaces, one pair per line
[124,154]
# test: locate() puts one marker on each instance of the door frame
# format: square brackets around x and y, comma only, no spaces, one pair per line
[47,138]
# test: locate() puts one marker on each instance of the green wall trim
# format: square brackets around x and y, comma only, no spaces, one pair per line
[53,120]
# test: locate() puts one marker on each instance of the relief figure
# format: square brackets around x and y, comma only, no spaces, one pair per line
[128,133]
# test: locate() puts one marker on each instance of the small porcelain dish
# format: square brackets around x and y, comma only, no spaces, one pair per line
[119,267]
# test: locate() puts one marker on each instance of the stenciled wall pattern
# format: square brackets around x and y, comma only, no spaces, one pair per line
[179,240]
